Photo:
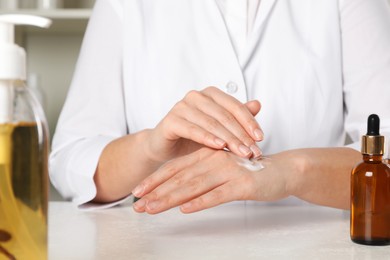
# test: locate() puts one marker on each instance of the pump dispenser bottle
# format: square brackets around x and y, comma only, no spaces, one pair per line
[370,191]
[23,152]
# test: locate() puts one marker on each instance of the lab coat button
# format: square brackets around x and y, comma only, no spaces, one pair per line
[231,87]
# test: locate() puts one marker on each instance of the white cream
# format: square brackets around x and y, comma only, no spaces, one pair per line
[252,164]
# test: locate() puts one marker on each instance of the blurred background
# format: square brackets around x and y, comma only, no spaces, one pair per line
[52,53]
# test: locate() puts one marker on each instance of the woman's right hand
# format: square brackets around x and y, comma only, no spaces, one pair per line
[208,118]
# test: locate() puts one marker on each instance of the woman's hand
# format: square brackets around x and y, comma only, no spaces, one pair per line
[208,118]
[207,178]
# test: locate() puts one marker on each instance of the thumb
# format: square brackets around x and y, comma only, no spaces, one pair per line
[253,106]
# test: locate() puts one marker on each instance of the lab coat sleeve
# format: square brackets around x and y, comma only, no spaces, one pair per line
[93,114]
[365,28]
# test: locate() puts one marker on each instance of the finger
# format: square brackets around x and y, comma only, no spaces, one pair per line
[253,106]
[229,112]
[164,173]
[239,111]
[182,128]
[222,194]
[201,123]
[167,171]
[237,139]
[170,195]
[192,179]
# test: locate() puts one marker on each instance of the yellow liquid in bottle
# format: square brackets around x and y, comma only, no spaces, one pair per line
[23,192]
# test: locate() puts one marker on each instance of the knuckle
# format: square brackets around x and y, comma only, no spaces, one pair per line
[170,168]
[169,120]
[168,199]
[232,139]
[196,133]
[177,180]
[218,195]
[227,118]
[240,107]
[151,196]
[251,123]
[148,182]
[199,202]
[210,89]
[195,184]
[248,141]
[192,95]
[178,106]
[192,130]
[249,120]
[212,124]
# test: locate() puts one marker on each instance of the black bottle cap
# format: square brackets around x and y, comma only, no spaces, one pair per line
[373,142]
[373,125]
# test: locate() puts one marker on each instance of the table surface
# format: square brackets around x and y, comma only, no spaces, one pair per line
[239,230]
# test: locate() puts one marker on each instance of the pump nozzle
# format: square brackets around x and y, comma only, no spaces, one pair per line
[7,22]
[13,58]
[25,19]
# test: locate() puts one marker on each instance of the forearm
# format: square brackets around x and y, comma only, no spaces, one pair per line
[122,165]
[207,178]
[128,160]
[324,175]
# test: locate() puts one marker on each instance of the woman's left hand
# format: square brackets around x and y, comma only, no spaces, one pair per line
[207,178]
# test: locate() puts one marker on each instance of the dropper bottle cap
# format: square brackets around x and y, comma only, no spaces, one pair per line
[373,142]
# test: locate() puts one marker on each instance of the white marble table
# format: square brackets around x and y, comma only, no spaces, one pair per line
[238,230]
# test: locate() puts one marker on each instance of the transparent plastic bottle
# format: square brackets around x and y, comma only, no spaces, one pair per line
[24,179]
[23,155]
[34,83]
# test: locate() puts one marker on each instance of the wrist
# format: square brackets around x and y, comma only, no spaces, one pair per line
[147,144]
[300,163]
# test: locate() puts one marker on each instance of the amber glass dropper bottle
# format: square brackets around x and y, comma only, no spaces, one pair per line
[370,191]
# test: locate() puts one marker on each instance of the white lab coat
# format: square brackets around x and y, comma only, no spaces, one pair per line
[319,68]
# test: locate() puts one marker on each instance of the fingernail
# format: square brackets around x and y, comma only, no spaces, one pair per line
[219,142]
[140,204]
[258,134]
[256,151]
[244,150]
[137,192]
[152,205]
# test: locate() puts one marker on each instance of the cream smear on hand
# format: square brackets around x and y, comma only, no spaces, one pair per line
[251,164]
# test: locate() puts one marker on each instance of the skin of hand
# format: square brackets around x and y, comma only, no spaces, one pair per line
[207,178]
[208,118]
